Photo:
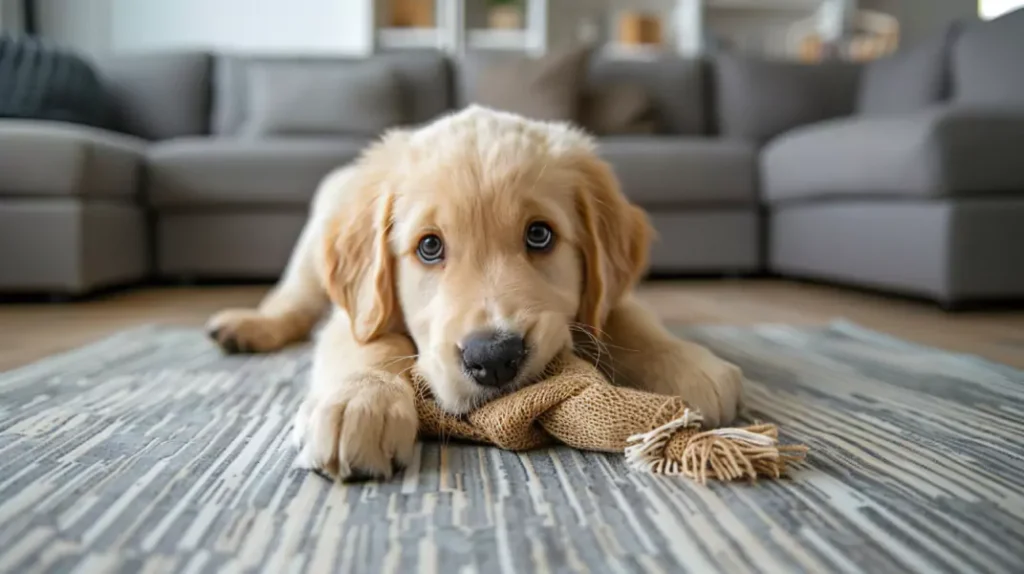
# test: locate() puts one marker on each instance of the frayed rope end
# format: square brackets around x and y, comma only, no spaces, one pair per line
[720,454]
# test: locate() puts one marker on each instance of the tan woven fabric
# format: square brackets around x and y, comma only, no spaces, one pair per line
[576,406]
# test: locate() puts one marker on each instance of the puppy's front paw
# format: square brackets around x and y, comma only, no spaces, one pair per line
[728,381]
[366,428]
[245,331]
[713,385]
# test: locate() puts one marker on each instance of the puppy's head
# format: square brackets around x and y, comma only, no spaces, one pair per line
[489,239]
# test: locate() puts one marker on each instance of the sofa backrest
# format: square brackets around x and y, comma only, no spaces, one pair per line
[160,95]
[758,99]
[988,62]
[676,88]
[424,81]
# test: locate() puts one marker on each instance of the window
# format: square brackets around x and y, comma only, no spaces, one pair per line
[989,9]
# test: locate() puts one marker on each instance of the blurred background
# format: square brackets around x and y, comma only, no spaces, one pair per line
[869,144]
[786,28]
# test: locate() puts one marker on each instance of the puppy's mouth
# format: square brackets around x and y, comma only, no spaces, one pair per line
[529,374]
[467,388]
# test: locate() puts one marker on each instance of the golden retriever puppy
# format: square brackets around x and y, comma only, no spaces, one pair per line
[473,249]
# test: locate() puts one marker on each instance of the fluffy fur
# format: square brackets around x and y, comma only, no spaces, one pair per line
[477,179]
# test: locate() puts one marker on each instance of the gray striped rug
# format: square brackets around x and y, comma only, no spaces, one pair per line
[151,452]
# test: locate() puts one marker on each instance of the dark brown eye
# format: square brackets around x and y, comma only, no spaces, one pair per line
[430,249]
[539,237]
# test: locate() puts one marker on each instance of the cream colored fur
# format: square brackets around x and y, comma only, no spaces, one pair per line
[477,178]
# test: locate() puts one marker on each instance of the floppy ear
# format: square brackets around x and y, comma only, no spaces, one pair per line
[359,266]
[615,240]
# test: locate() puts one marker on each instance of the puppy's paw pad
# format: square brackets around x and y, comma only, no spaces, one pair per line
[245,331]
[728,381]
[303,460]
[730,387]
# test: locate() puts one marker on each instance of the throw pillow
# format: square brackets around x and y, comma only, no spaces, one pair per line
[906,81]
[617,109]
[289,98]
[160,95]
[759,99]
[541,88]
[986,62]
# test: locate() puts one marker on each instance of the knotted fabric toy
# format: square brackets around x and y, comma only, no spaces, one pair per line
[575,405]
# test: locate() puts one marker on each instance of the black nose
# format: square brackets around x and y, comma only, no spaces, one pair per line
[493,358]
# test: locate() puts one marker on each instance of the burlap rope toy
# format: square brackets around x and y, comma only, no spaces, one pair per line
[578,407]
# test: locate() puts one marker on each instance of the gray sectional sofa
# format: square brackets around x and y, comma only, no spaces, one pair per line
[919,189]
[904,175]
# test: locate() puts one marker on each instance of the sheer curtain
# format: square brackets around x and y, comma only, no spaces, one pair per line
[989,9]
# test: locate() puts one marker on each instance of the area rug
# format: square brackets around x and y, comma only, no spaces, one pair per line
[152,452]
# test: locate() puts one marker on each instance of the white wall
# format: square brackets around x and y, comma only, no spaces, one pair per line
[570,22]
[81,24]
[761,31]
[295,26]
[10,16]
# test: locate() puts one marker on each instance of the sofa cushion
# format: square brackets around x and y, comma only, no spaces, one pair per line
[223,244]
[674,85]
[617,109]
[541,88]
[909,80]
[661,171]
[70,246]
[987,62]
[952,249]
[936,152]
[304,99]
[160,95]
[425,79]
[54,158]
[760,99]
[222,171]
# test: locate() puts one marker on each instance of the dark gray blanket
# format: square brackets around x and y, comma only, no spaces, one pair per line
[39,81]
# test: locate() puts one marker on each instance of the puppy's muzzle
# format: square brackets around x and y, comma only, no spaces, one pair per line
[493,358]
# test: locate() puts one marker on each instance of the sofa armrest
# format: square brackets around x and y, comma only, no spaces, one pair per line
[947,150]
[44,158]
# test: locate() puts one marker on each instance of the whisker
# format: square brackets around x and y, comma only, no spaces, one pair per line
[604,335]
[608,368]
[394,360]
[597,343]
[598,353]
[405,371]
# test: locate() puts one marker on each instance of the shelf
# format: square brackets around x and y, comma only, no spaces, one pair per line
[463,24]
[618,51]
[399,38]
[764,5]
[498,39]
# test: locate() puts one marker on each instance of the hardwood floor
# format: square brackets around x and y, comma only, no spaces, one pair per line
[31,331]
